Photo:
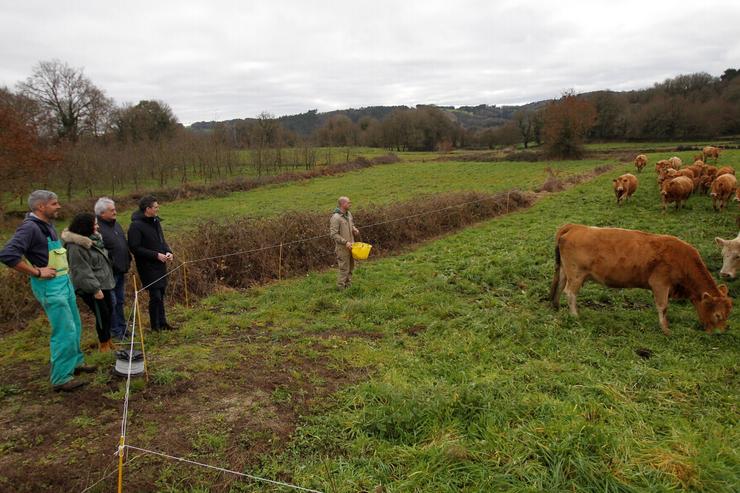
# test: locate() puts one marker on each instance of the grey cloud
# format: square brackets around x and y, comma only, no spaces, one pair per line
[228,59]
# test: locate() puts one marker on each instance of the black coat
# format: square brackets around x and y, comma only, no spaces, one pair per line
[146,240]
[115,242]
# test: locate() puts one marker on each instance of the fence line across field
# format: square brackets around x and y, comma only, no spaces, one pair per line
[311,238]
[136,317]
[221,469]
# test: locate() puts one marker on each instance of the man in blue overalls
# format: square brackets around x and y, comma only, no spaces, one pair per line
[46,263]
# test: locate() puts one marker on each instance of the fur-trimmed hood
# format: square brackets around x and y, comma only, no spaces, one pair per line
[70,237]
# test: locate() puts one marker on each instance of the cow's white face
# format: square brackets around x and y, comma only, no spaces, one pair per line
[730,256]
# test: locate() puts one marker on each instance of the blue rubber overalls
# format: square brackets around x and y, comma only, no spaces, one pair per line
[57,297]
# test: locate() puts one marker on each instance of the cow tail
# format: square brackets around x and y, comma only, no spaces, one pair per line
[556,279]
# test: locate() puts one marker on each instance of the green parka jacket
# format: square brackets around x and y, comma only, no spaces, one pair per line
[89,266]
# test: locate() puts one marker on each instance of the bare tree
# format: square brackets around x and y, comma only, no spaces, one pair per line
[75,104]
[525,124]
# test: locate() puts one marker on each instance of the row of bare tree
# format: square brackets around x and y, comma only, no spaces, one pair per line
[57,129]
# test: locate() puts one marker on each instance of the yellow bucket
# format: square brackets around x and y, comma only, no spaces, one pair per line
[360,250]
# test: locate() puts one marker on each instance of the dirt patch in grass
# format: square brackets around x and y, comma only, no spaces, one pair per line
[232,417]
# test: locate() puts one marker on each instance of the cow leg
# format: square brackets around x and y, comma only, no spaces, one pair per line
[558,288]
[660,294]
[572,286]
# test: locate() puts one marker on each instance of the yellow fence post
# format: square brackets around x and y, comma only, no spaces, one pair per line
[120,464]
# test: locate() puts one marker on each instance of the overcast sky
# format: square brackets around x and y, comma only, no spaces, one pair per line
[233,59]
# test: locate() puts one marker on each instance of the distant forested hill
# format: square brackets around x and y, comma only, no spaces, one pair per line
[305,124]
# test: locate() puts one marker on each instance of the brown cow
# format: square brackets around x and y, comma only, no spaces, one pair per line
[711,151]
[724,170]
[723,187]
[711,171]
[624,187]
[696,168]
[623,258]
[676,190]
[676,162]
[730,255]
[705,184]
[662,164]
[640,162]
[670,173]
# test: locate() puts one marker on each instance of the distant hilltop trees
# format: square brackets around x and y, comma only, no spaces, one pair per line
[686,107]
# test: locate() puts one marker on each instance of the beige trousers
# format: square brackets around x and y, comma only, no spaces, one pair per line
[346,266]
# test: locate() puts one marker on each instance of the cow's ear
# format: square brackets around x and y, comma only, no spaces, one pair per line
[705,296]
[614,180]
[723,289]
[719,241]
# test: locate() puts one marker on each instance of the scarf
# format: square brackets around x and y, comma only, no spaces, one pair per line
[97,240]
[337,210]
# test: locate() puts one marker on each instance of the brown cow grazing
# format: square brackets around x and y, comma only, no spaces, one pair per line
[623,258]
[640,162]
[624,187]
[723,187]
[724,170]
[711,151]
[676,162]
[711,171]
[676,190]
[730,256]
[705,184]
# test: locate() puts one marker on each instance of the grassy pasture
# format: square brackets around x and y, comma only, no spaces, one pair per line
[442,369]
[377,185]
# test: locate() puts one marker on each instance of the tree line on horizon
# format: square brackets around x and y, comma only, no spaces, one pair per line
[58,129]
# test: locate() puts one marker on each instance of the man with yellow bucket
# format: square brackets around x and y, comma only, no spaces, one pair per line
[342,231]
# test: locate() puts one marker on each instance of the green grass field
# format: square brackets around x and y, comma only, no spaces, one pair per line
[441,369]
[377,185]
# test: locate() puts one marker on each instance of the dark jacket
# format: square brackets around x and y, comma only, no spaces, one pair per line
[29,241]
[146,240]
[89,265]
[116,244]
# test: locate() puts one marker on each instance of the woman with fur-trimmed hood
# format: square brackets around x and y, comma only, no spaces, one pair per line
[91,272]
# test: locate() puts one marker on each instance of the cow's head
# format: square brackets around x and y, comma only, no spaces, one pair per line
[621,185]
[730,256]
[715,310]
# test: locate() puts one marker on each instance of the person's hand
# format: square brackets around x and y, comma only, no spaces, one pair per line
[348,245]
[98,295]
[169,256]
[47,272]
[356,231]
[162,257]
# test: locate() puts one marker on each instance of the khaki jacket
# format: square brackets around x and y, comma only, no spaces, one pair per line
[341,229]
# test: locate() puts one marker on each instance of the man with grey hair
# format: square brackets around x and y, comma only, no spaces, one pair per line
[342,231]
[114,239]
[35,250]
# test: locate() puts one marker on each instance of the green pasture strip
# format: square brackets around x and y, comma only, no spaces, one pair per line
[603,146]
[377,185]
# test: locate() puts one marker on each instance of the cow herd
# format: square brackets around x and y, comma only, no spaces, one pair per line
[677,183]
[668,266]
